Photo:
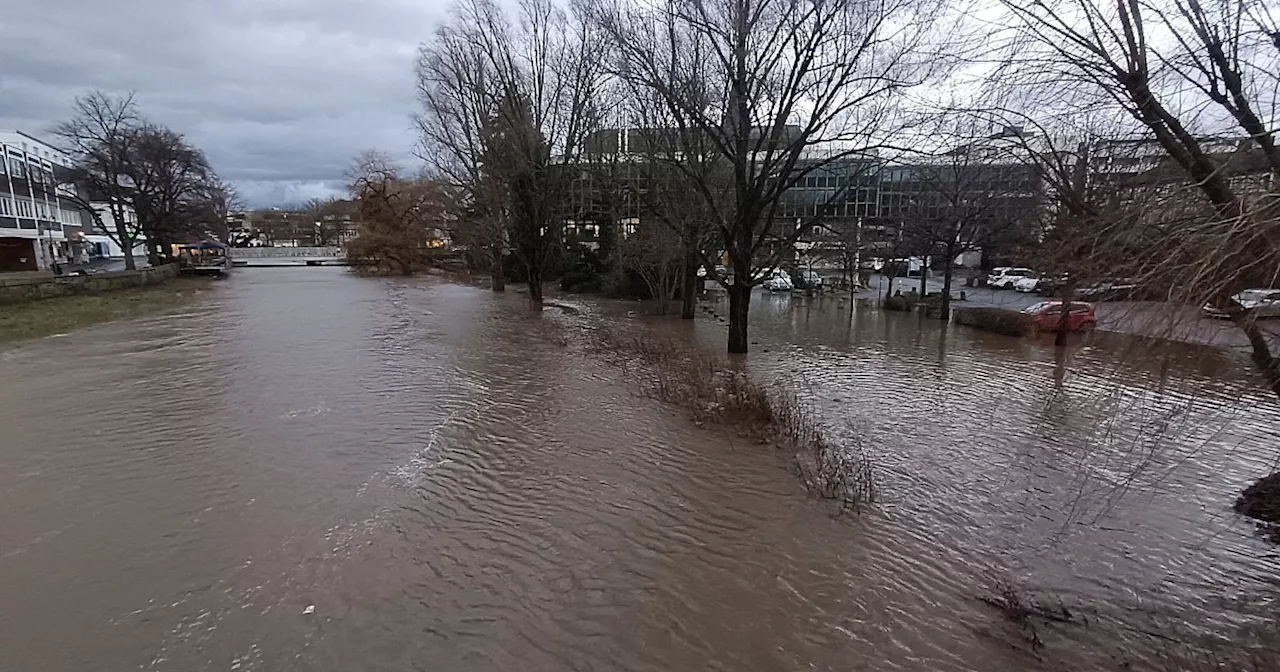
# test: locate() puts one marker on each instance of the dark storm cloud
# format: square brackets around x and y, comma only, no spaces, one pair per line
[282,94]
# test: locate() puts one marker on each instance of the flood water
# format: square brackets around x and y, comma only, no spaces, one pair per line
[307,470]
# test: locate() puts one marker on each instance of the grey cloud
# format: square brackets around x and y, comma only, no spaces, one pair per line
[282,94]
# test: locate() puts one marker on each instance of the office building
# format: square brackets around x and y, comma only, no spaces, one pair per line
[39,226]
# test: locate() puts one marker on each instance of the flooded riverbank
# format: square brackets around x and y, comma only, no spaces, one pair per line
[455,484]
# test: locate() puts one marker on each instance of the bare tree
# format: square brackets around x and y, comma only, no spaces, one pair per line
[399,217]
[326,215]
[507,106]
[221,199]
[1200,80]
[659,187]
[455,89]
[975,195]
[170,182]
[656,254]
[99,138]
[765,83]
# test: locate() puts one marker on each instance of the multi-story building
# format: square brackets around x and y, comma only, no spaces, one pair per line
[982,205]
[97,242]
[839,200]
[39,225]
[854,207]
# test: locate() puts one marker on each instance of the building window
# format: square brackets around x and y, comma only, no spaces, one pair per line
[17,168]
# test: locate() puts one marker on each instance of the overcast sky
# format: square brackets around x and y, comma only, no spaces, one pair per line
[281,94]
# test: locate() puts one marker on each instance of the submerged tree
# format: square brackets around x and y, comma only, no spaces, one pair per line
[455,79]
[766,84]
[399,218]
[507,105]
[975,195]
[655,254]
[1198,82]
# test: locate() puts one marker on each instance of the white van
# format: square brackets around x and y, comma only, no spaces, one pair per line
[1002,277]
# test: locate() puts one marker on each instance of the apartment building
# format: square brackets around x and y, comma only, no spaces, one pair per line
[39,226]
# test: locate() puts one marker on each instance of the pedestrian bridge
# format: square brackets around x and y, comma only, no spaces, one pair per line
[288,256]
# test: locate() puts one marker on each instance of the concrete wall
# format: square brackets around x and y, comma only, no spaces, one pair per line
[281,252]
[18,289]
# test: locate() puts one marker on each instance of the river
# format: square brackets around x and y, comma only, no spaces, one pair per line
[311,470]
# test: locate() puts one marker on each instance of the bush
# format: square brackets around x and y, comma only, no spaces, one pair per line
[999,320]
[899,303]
[584,271]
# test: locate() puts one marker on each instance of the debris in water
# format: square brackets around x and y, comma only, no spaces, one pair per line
[311,609]
[1261,501]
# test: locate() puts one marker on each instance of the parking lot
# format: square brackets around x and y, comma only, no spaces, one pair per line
[1146,318]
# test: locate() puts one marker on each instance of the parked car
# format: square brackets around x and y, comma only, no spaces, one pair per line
[1108,289]
[1002,277]
[779,282]
[1026,285]
[1254,302]
[805,280]
[1047,316]
[1050,285]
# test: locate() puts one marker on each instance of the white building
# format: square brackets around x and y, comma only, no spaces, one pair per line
[99,244]
[38,224]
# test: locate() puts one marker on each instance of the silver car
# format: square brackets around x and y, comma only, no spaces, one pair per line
[1255,302]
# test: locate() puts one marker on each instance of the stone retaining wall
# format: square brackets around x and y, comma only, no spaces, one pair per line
[18,289]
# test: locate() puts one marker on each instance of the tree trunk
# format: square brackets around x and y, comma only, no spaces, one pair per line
[122,235]
[499,278]
[535,287]
[739,303]
[1262,357]
[947,272]
[126,244]
[924,276]
[689,284]
[153,252]
[1064,321]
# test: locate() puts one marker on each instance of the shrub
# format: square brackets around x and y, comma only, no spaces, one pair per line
[999,320]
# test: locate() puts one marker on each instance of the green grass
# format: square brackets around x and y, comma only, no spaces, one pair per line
[62,314]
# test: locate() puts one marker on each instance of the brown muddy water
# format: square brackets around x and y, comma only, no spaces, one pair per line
[314,471]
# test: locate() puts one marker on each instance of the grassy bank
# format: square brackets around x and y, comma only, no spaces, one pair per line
[68,313]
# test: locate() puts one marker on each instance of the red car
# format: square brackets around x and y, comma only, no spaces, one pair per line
[1047,315]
